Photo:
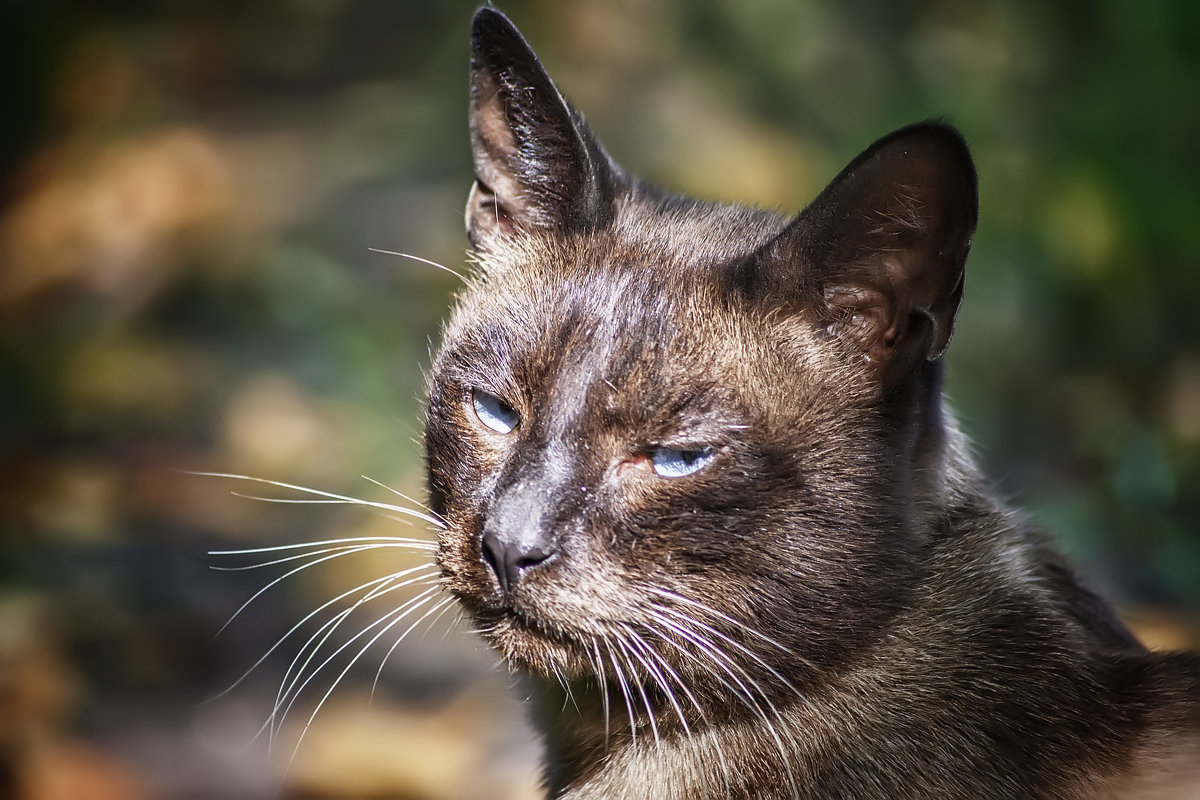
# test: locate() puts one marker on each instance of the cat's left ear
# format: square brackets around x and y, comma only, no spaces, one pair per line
[877,259]
[537,166]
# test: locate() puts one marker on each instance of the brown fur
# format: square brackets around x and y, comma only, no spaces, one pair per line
[836,605]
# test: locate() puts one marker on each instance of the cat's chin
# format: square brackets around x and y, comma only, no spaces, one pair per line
[534,646]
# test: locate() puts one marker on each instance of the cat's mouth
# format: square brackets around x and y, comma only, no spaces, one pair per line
[515,618]
[544,627]
[536,641]
[532,643]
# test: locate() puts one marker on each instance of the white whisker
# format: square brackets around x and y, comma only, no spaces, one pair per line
[361,587]
[285,576]
[388,620]
[357,656]
[620,674]
[385,586]
[304,656]
[288,500]
[298,501]
[418,543]
[647,652]
[399,494]
[629,660]
[726,618]
[329,495]
[723,661]
[399,639]
[459,616]
[442,267]
[656,656]
[602,685]
[344,550]
[312,646]
[747,651]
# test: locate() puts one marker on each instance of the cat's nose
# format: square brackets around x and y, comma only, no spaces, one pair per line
[512,554]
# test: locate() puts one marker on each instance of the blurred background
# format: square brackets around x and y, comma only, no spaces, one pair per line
[188,192]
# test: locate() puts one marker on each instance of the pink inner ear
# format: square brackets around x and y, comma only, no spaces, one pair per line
[497,172]
[538,165]
[863,316]
[486,213]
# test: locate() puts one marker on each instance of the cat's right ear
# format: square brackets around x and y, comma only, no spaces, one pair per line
[877,259]
[537,166]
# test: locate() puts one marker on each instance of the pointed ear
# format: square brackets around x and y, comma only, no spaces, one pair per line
[877,259]
[537,166]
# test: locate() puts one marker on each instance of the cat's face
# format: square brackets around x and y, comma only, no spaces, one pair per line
[669,438]
[652,436]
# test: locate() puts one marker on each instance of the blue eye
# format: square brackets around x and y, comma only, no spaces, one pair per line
[670,463]
[493,412]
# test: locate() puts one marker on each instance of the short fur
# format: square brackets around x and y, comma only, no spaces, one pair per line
[836,605]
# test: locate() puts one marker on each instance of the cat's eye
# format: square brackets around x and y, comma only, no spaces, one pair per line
[671,463]
[493,412]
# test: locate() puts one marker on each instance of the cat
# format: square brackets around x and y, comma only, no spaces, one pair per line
[700,488]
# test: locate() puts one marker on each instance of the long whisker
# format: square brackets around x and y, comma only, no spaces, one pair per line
[288,574]
[361,587]
[304,655]
[707,609]
[421,260]
[641,689]
[358,655]
[561,679]
[399,494]
[307,501]
[390,618]
[385,586]
[741,647]
[346,549]
[375,683]
[739,690]
[328,495]
[648,657]
[602,685]
[312,646]
[723,661]
[713,653]
[459,618]
[571,696]
[418,543]
[652,653]
[612,657]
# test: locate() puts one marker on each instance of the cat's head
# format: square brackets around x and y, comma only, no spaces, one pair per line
[672,436]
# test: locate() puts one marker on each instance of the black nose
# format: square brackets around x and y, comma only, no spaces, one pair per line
[510,556]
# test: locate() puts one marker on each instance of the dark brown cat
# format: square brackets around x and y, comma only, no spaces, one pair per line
[700,487]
